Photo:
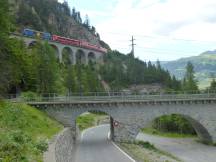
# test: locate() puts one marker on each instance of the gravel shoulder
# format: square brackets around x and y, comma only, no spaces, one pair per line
[186,149]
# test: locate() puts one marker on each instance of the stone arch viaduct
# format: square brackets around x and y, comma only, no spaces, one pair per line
[76,54]
[130,114]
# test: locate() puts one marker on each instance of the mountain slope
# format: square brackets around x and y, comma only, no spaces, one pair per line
[204,66]
[53,17]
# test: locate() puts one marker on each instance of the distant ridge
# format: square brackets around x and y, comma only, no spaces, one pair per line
[204,65]
[209,52]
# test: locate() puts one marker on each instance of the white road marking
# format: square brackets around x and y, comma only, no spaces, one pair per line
[128,156]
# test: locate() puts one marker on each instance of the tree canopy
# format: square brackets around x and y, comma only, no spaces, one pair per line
[189,82]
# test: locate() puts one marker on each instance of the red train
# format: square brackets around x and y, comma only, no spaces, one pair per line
[79,43]
[62,40]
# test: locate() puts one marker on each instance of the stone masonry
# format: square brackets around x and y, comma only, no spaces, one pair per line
[130,117]
[61,148]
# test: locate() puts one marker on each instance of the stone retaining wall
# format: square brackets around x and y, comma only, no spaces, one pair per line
[60,148]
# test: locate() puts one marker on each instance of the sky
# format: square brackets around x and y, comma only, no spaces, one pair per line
[163,29]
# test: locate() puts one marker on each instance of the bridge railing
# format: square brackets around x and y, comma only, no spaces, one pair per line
[113,96]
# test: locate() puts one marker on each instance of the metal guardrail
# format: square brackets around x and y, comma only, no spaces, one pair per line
[114,97]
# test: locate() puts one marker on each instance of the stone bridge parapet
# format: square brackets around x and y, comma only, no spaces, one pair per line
[132,113]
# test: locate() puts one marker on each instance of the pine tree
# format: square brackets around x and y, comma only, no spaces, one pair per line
[190,84]
[66,8]
[71,80]
[87,22]
[84,82]
[74,14]
[78,18]
[213,85]
[5,50]
[47,68]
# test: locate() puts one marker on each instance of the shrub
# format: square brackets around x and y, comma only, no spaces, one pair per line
[29,96]
[41,145]
[146,144]
[20,137]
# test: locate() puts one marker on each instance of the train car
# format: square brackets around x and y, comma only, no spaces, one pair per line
[93,47]
[28,33]
[63,40]
[36,34]
[88,45]
[84,44]
[47,36]
[66,41]
[104,50]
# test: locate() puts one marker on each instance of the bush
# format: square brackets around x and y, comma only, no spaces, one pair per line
[29,96]
[20,137]
[41,145]
[10,150]
[146,144]
[173,123]
[22,130]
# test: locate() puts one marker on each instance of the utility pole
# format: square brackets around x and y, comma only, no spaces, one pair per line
[132,44]
[133,60]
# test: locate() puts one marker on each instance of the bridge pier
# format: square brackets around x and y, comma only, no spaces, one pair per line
[74,59]
[125,132]
[210,126]
[60,50]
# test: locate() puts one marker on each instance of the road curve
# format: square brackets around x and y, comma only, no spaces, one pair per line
[95,146]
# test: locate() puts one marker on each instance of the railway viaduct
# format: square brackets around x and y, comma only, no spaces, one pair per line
[76,54]
[131,113]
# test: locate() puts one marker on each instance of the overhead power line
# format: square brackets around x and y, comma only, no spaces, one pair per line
[164,37]
[162,50]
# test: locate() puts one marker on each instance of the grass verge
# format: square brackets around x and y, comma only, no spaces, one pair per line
[24,132]
[90,120]
[153,131]
[146,152]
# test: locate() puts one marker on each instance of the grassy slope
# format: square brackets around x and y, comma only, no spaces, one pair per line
[24,132]
[146,152]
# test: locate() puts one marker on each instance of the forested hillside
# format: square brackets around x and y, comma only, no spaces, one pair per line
[36,69]
[121,71]
[53,17]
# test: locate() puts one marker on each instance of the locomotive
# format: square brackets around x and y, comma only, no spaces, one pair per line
[63,40]
[37,34]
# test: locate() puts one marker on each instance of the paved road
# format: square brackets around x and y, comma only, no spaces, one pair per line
[95,147]
[186,149]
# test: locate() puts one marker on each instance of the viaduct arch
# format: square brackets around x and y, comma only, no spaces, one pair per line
[74,52]
[131,117]
[68,56]
[91,57]
[81,57]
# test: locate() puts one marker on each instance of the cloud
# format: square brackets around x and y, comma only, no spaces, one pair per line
[185,19]
[155,24]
